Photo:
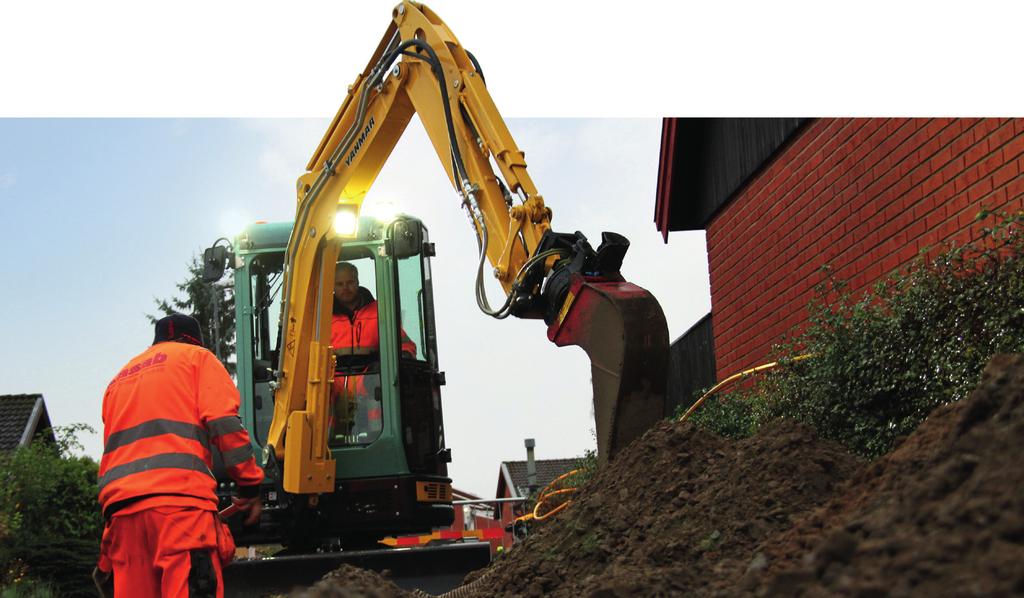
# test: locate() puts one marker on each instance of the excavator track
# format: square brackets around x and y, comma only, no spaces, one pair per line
[429,569]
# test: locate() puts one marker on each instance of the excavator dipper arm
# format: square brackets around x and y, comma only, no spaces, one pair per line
[420,67]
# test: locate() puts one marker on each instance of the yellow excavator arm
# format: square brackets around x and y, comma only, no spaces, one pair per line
[420,67]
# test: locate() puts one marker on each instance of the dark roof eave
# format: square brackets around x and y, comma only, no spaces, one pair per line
[33,421]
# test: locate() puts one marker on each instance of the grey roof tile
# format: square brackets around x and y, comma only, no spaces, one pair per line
[547,470]
[16,417]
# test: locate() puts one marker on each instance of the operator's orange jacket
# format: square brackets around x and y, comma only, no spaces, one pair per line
[358,329]
[160,414]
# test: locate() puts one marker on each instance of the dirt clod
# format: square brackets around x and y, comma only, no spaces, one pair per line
[352,582]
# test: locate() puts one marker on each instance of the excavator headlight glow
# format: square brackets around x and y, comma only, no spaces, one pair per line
[384,211]
[346,221]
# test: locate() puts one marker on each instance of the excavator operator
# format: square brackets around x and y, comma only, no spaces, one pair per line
[161,413]
[354,331]
[354,319]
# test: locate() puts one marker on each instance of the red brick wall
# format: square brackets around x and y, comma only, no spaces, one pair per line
[861,195]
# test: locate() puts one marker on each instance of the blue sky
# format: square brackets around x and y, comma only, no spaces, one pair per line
[104,214]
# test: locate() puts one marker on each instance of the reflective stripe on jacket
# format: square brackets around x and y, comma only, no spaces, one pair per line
[161,413]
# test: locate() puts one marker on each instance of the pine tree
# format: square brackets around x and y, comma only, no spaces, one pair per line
[210,304]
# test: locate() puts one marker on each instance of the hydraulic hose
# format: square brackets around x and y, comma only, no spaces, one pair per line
[476,65]
[481,294]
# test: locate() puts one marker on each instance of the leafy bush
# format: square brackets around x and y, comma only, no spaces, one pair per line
[587,468]
[883,361]
[732,415]
[50,523]
[26,588]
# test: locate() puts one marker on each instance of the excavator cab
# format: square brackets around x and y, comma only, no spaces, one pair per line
[386,432]
[357,398]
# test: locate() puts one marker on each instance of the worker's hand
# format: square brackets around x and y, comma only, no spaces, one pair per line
[254,506]
[104,581]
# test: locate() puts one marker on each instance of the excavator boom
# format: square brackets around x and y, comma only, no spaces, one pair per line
[419,67]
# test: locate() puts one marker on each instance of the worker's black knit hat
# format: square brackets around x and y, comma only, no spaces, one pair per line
[178,328]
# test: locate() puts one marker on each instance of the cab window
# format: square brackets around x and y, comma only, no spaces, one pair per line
[357,414]
[415,309]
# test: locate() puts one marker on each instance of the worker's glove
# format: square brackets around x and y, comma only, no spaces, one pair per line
[253,506]
[104,581]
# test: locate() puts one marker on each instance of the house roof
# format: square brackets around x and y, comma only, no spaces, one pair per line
[22,418]
[705,162]
[514,477]
[463,495]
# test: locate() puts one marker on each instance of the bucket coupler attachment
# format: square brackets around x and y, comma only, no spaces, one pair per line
[622,328]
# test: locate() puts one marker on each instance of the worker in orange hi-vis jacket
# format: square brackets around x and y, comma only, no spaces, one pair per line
[354,329]
[161,413]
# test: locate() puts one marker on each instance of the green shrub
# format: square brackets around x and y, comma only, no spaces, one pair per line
[587,468]
[883,361]
[28,588]
[732,415]
[50,523]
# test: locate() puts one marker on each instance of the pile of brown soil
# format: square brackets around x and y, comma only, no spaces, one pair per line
[672,513]
[352,582]
[942,515]
[684,512]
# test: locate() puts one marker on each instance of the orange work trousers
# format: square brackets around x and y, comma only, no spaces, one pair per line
[165,552]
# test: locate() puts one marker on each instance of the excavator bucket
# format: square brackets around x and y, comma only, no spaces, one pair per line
[622,328]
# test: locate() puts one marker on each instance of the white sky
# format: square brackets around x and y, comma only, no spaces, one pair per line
[542,59]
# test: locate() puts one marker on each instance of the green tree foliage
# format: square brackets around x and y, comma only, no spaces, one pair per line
[50,524]
[213,304]
[883,361]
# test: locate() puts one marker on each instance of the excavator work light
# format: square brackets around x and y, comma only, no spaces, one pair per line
[346,220]
[384,211]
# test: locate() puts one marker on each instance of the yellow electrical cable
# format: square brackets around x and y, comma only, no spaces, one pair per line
[551,512]
[547,493]
[734,377]
[558,508]
[560,478]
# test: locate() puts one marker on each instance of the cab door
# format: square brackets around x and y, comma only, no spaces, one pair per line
[419,379]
